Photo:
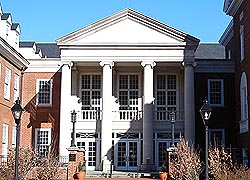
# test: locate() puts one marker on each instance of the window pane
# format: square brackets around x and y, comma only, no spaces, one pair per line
[44,94]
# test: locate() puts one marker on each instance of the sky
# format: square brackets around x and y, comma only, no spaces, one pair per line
[48,20]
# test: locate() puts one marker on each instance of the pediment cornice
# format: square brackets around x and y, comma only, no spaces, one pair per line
[130,14]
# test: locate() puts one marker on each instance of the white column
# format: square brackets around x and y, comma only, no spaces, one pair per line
[106,124]
[65,111]
[148,111]
[189,106]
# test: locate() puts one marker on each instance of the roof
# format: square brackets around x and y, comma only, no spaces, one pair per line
[5,16]
[210,51]
[49,50]
[123,15]
[26,44]
[14,26]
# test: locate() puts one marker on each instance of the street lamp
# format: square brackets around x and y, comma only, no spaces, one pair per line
[172,121]
[73,120]
[205,112]
[17,111]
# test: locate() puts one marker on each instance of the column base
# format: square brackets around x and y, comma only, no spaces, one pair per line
[148,167]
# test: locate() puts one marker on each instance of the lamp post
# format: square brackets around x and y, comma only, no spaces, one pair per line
[73,120]
[17,111]
[205,112]
[172,121]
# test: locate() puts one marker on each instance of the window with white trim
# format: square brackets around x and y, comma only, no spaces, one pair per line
[91,96]
[7,83]
[44,92]
[166,95]
[245,156]
[229,54]
[4,141]
[216,92]
[43,140]
[13,143]
[16,87]
[217,137]
[242,45]
[244,124]
[129,92]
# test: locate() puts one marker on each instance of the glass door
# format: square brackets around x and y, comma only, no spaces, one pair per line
[127,155]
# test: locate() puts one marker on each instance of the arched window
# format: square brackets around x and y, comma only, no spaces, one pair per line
[244,103]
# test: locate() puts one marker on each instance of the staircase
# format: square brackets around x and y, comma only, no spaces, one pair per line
[120,175]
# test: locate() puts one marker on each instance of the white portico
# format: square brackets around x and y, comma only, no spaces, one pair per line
[129,71]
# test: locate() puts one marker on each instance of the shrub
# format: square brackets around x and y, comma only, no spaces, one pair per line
[26,162]
[186,164]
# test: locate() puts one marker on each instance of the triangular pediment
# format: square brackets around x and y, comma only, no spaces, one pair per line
[126,27]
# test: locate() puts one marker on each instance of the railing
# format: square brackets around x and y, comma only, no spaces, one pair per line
[3,160]
[91,115]
[165,115]
[127,115]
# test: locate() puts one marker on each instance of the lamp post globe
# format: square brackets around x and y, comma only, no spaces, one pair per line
[205,112]
[17,111]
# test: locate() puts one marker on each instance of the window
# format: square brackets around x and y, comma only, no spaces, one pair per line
[217,137]
[128,92]
[91,96]
[166,95]
[44,92]
[242,49]
[13,136]
[7,31]
[244,104]
[229,54]
[16,87]
[216,92]
[246,156]
[5,141]
[7,84]
[43,140]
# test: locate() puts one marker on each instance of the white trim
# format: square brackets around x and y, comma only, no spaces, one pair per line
[242,43]
[221,92]
[244,125]
[13,143]
[5,140]
[49,136]
[222,138]
[37,92]
[7,81]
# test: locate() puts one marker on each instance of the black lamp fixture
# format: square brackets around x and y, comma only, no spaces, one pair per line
[73,120]
[205,112]
[17,111]
[172,121]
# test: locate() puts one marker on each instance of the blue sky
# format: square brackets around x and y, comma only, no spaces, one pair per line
[47,20]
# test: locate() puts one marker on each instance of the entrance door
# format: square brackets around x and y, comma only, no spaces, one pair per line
[127,155]
[161,152]
[90,154]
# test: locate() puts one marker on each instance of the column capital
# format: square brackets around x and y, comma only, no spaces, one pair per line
[151,63]
[109,63]
[193,64]
[67,63]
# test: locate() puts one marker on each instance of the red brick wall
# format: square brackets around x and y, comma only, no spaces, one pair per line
[40,117]
[241,65]
[5,105]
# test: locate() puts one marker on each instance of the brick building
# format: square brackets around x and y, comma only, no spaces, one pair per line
[12,67]
[123,75]
[236,40]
